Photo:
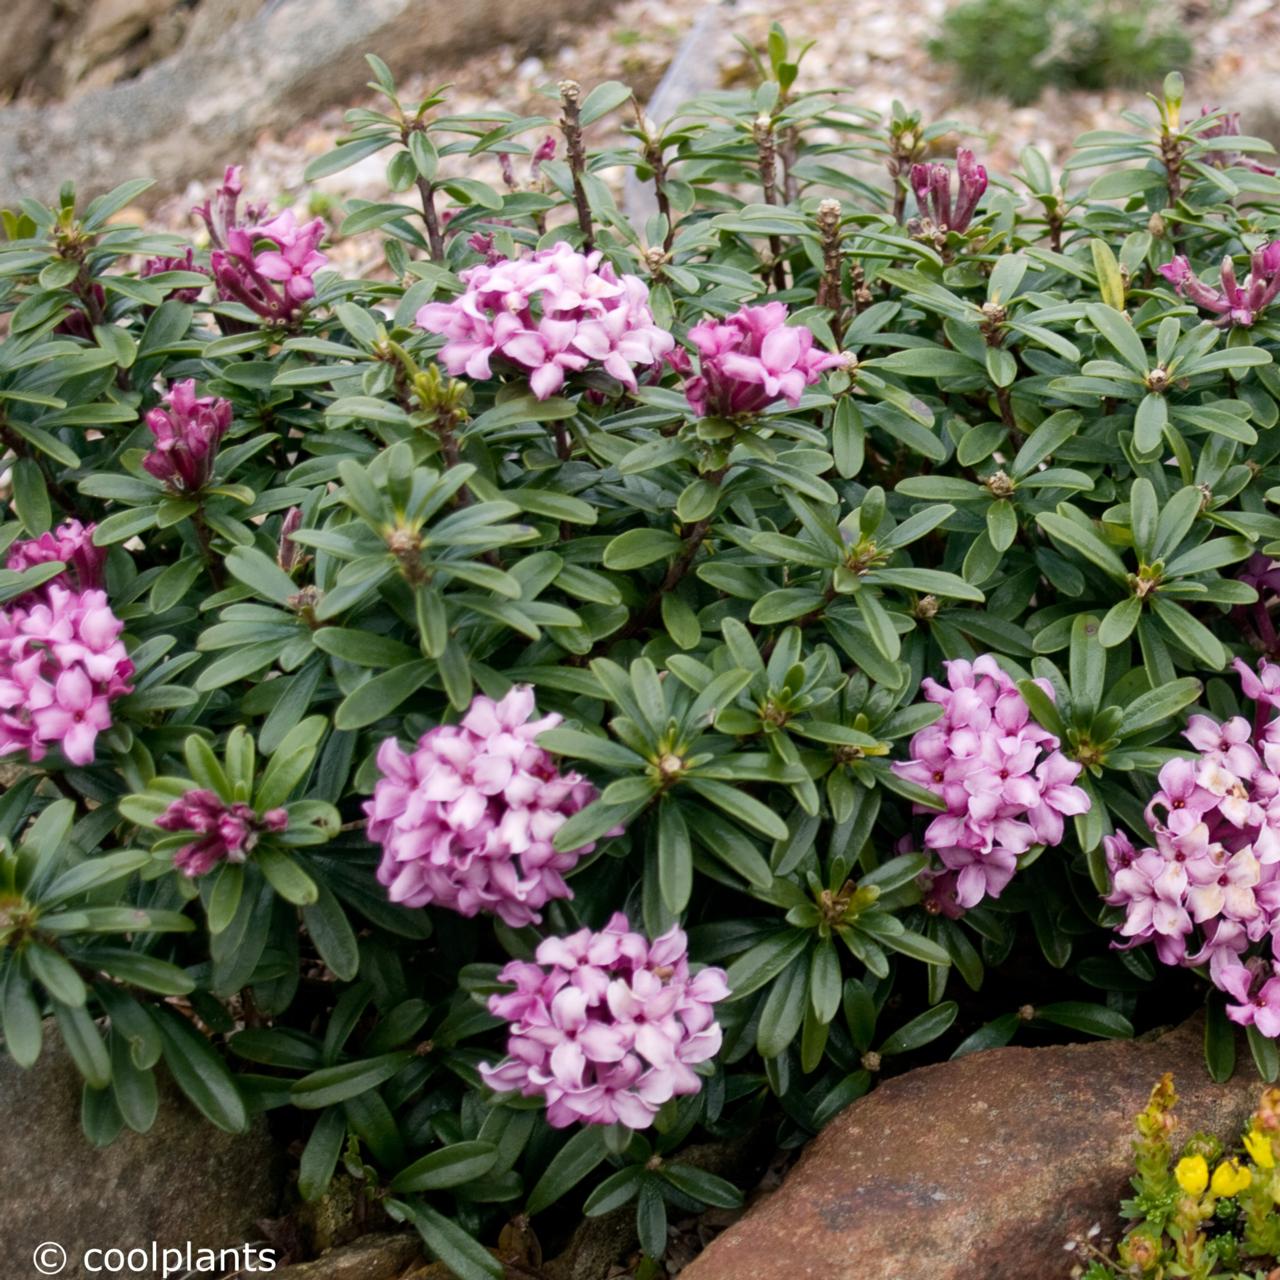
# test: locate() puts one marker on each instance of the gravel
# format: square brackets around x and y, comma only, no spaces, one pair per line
[875,47]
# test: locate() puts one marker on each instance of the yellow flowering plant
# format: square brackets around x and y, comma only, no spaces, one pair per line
[1199,1211]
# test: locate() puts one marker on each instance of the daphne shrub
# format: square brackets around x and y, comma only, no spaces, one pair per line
[596,692]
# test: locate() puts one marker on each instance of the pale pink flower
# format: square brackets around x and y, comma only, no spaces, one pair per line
[466,820]
[606,1027]
[548,314]
[1005,784]
[62,662]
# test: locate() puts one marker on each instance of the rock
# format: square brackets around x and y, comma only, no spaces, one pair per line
[29,28]
[108,28]
[185,1181]
[188,114]
[376,1257]
[978,1169]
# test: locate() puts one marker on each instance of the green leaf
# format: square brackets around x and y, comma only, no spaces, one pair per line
[1091,1019]
[201,1073]
[465,1258]
[451,1166]
[331,931]
[347,1080]
[604,98]
[703,1186]
[783,1009]
[639,547]
[582,1154]
[1149,425]
[922,1029]
[1219,1040]
[320,1155]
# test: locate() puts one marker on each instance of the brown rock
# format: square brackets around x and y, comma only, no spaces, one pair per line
[186,115]
[184,1181]
[978,1169]
[108,28]
[29,27]
[377,1257]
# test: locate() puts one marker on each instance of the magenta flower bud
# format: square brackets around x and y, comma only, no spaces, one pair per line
[548,315]
[155,266]
[751,359]
[62,663]
[467,818]
[72,543]
[249,272]
[972,184]
[1233,303]
[1006,785]
[187,434]
[288,554]
[932,186]
[228,832]
[606,1027]
[1227,126]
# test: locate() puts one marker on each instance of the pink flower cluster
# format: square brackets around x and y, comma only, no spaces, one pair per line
[466,820]
[187,433]
[1005,783]
[550,314]
[61,657]
[1233,304]
[606,1026]
[1209,888]
[228,832]
[750,359]
[932,185]
[269,266]
[72,544]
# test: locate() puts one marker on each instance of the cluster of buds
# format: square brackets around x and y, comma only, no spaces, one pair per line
[70,543]
[548,314]
[606,1027]
[749,360]
[467,818]
[187,431]
[1208,890]
[545,150]
[159,266]
[1005,784]
[269,266]
[932,186]
[1233,304]
[62,661]
[1227,126]
[227,832]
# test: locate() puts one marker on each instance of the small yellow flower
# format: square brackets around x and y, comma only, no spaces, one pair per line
[1192,1173]
[1229,1179]
[1258,1145]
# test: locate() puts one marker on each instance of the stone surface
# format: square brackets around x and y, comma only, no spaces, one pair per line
[378,1257]
[202,106]
[183,1181]
[978,1169]
[28,31]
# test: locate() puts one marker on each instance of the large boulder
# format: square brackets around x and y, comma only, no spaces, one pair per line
[185,1181]
[191,112]
[978,1169]
[385,1256]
